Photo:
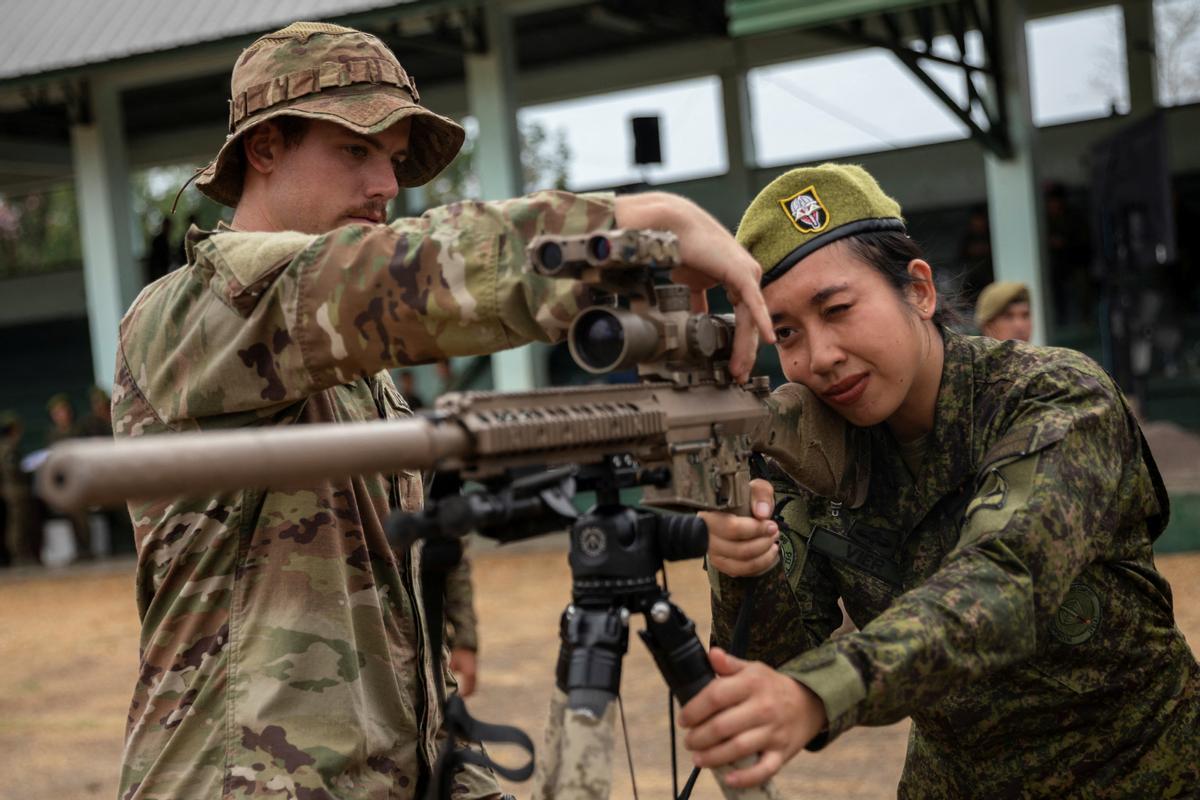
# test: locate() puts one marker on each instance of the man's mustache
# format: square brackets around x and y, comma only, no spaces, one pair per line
[375,211]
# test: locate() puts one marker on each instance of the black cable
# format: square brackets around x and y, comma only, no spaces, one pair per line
[671,714]
[737,648]
[628,749]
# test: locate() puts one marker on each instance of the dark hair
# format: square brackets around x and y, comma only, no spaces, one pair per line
[291,129]
[890,252]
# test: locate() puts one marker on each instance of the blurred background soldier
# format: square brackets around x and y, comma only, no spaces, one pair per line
[408,388]
[1002,311]
[63,427]
[99,421]
[62,419]
[462,636]
[20,537]
[158,256]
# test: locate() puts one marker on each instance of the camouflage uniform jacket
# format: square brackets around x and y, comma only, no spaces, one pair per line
[1006,597]
[284,648]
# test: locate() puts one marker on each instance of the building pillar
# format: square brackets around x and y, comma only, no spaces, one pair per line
[491,78]
[111,275]
[1015,210]
[739,128]
[1140,59]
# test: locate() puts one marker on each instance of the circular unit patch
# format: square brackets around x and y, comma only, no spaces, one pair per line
[1078,617]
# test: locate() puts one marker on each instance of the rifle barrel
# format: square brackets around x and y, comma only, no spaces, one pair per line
[83,473]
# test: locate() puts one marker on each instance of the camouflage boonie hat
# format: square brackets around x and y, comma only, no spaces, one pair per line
[326,72]
[805,209]
[996,297]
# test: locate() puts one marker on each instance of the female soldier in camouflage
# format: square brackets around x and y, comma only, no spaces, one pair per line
[1001,570]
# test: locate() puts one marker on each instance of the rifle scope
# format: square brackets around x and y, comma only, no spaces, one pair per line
[606,338]
[603,339]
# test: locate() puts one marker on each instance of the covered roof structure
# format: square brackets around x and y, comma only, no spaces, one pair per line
[94,90]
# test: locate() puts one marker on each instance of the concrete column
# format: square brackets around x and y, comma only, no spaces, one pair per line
[739,129]
[491,79]
[1141,62]
[1013,191]
[112,277]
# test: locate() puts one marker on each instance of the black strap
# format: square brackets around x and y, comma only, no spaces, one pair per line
[438,557]
[1158,522]
[738,645]
[461,725]
[843,548]
[740,641]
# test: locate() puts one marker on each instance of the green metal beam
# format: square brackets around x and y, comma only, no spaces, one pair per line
[748,17]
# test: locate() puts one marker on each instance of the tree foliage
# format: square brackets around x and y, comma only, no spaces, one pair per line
[39,231]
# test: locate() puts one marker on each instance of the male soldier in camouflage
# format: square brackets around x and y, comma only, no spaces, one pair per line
[1001,570]
[284,648]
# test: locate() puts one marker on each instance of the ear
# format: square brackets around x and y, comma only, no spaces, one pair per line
[922,294]
[262,145]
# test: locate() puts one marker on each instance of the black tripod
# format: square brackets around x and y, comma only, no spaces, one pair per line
[615,554]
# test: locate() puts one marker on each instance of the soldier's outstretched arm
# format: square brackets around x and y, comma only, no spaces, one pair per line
[271,318]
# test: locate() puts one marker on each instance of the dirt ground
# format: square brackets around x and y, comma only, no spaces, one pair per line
[68,645]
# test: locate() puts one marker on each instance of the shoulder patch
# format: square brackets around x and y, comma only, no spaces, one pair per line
[1078,617]
[992,494]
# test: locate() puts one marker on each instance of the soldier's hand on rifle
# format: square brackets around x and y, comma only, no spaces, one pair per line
[710,256]
[745,546]
[750,709]
[464,664]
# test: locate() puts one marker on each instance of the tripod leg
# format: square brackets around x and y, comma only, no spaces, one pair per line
[546,775]
[577,763]
[579,754]
[671,639]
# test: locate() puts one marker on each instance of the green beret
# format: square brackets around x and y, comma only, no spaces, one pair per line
[58,400]
[805,209]
[996,297]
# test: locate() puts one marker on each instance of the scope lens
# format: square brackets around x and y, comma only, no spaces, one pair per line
[599,339]
[550,254]
[600,248]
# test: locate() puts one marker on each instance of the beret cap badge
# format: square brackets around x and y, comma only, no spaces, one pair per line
[806,211]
